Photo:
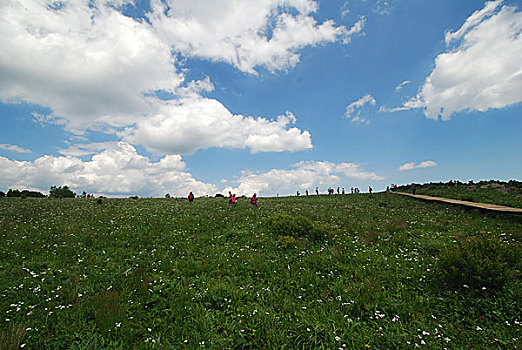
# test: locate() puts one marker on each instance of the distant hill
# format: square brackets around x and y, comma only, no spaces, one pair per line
[493,191]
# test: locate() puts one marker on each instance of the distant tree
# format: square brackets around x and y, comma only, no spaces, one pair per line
[14,193]
[84,195]
[2,194]
[167,195]
[61,192]
[33,194]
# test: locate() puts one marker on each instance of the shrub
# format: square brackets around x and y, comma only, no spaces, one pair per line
[287,225]
[320,233]
[285,242]
[479,263]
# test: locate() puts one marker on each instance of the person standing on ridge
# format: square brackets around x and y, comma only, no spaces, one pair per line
[254,200]
[191,197]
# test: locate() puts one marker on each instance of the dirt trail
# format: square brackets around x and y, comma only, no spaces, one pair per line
[485,206]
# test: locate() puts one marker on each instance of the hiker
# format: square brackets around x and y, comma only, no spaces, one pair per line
[370,189]
[343,191]
[338,190]
[233,199]
[414,189]
[317,190]
[298,194]
[191,197]
[306,191]
[229,197]
[254,200]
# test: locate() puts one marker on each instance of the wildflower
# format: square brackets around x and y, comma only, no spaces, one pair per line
[337,338]
[478,328]
[367,346]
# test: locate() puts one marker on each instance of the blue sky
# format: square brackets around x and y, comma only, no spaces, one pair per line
[122,98]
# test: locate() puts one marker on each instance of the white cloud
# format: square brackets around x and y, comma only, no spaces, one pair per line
[14,148]
[86,61]
[198,123]
[482,71]
[353,110]
[401,85]
[412,165]
[304,175]
[84,149]
[118,171]
[246,34]
[97,69]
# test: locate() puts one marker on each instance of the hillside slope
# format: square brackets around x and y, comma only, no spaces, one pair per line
[493,192]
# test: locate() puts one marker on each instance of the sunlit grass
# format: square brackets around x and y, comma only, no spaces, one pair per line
[163,273]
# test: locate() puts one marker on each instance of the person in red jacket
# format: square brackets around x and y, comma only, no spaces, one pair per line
[254,200]
[191,197]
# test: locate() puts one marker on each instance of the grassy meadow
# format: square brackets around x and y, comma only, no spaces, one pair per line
[380,272]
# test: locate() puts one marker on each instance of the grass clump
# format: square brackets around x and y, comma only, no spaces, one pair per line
[294,226]
[479,263]
[285,226]
[285,242]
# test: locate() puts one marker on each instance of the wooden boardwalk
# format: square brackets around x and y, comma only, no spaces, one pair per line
[482,206]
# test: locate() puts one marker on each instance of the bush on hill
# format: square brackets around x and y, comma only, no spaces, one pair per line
[479,264]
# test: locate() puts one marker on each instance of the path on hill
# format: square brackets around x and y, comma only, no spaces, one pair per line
[485,206]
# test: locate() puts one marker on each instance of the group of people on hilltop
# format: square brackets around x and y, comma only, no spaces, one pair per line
[392,188]
[253,200]
[232,199]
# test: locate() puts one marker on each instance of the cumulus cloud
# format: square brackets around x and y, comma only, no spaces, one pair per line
[199,123]
[14,148]
[304,175]
[117,171]
[86,61]
[412,165]
[97,69]
[353,110]
[246,34]
[482,68]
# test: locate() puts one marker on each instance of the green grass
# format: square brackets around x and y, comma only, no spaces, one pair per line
[163,273]
[492,192]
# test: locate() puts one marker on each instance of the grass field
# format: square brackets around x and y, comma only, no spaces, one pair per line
[166,274]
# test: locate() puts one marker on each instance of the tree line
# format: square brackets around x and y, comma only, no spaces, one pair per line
[54,192]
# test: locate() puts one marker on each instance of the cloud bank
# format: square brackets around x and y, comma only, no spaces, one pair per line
[119,171]
[304,175]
